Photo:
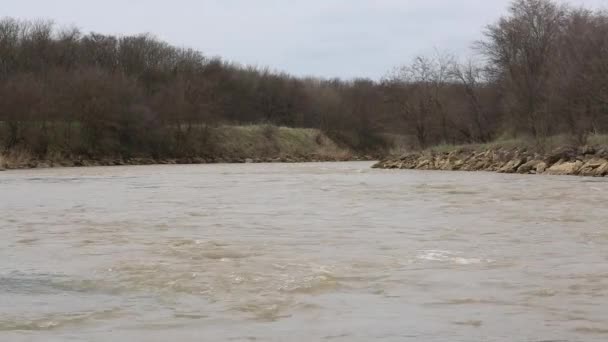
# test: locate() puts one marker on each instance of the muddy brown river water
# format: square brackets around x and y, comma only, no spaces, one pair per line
[301,252]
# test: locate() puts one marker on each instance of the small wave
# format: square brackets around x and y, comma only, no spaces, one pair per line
[211,250]
[463,301]
[334,337]
[471,323]
[25,325]
[54,321]
[468,301]
[543,293]
[449,256]
[35,284]
[193,316]
[27,241]
[461,192]
[592,330]
[315,284]
[270,310]
[266,311]
[225,255]
[434,255]
[465,261]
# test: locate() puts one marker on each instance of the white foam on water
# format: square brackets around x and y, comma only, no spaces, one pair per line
[449,257]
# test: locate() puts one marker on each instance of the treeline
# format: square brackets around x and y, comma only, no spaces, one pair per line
[543,71]
[98,95]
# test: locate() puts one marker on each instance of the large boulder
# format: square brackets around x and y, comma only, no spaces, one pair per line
[445,163]
[602,153]
[383,164]
[458,164]
[588,150]
[602,170]
[424,163]
[511,166]
[541,167]
[565,168]
[530,167]
[562,154]
[593,167]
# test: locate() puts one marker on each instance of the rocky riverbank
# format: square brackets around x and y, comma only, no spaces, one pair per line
[583,161]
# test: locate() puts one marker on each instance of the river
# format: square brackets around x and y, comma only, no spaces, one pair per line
[301,252]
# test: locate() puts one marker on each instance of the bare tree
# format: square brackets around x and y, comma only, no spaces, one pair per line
[473,81]
[421,101]
[521,48]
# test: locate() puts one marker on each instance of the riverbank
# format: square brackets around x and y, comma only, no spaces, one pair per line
[518,158]
[225,144]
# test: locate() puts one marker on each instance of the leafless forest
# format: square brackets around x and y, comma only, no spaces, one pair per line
[541,70]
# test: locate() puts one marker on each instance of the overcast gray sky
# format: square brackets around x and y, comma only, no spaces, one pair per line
[328,38]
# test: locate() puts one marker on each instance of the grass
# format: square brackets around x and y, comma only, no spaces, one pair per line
[542,145]
[257,142]
[506,144]
[15,158]
[598,140]
[262,141]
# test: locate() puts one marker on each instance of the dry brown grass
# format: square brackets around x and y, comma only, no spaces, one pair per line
[598,140]
[265,141]
[228,143]
[540,145]
[15,159]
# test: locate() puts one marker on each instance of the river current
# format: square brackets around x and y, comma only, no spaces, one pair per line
[301,252]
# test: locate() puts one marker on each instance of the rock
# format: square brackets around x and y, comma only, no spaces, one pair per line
[587,150]
[563,154]
[482,165]
[511,166]
[541,167]
[132,161]
[423,164]
[198,160]
[458,164]
[602,170]
[530,166]
[445,165]
[602,153]
[585,161]
[565,168]
[592,167]
[248,160]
